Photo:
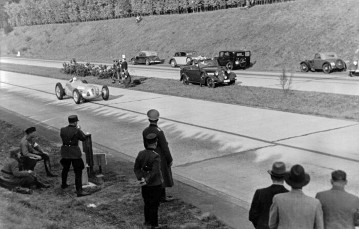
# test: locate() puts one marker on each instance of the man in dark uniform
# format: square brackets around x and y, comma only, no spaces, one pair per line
[262,199]
[162,149]
[148,173]
[71,153]
[125,75]
[31,152]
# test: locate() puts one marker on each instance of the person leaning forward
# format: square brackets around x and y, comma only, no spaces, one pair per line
[148,172]
[162,149]
[71,153]
[31,152]
[262,199]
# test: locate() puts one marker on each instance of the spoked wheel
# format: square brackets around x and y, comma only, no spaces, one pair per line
[210,83]
[77,96]
[59,91]
[173,63]
[304,67]
[105,93]
[242,63]
[185,79]
[326,68]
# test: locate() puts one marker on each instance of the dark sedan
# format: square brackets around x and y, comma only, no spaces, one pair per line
[206,72]
[147,57]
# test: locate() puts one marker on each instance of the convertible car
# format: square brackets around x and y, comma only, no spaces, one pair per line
[206,72]
[147,57]
[81,91]
[326,61]
[184,58]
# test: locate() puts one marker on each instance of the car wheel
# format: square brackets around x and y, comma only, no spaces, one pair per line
[188,60]
[59,91]
[185,79]
[105,93]
[242,63]
[304,67]
[326,68]
[340,64]
[210,82]
[148,62]
[77,96]
[229,66]
[173,63]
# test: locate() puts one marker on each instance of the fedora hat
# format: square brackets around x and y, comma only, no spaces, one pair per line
[278,169]
[297,177]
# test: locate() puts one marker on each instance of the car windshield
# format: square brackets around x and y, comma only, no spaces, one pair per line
[208,63]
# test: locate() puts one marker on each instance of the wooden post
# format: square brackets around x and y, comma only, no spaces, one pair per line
[87,148]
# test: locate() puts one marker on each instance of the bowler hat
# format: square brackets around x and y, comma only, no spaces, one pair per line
[30,130]
[278,169]
[153,115]
[151,138]
[296,177]
[338,175]
[73,118]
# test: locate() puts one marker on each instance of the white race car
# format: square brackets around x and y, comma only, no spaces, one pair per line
[81,91]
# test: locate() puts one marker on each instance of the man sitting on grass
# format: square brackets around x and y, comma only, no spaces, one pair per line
[12,176]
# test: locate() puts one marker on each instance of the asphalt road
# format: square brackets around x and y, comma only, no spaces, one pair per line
[337,82]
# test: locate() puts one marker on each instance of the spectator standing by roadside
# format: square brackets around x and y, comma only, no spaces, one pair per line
[31,152]
[148,173]
[293,210]
[17,177]
[337,204]
[71,153]
[162,149]
[262,199]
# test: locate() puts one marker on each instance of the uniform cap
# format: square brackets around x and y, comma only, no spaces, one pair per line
[339,175]
[30,130]
[151,138]
[153,115]
[73,118]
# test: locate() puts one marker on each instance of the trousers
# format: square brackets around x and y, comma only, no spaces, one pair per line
[151,196]
[78,166]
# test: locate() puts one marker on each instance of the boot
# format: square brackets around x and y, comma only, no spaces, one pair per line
[82,193]
[42,185]
[48,173]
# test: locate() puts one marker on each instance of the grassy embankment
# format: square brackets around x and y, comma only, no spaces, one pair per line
[117,205]
[279,35]
[303,102]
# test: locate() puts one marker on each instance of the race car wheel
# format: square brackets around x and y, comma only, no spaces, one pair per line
[326,68]
[148,62]
[210,83]
[105,93]
[173,63]
[185,79]
[59,91]
[229,66]
[304,67]
[77,96]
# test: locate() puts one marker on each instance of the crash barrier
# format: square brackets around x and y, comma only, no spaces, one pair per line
[99,159]
[87,149]
[85,177]
[264,2]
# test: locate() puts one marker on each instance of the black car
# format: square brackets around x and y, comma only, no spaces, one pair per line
[147,57]
[206,72]
[234,59]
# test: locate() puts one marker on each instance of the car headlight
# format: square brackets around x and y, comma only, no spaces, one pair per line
[355,62]
[332,64]
[237,62]
[216,73]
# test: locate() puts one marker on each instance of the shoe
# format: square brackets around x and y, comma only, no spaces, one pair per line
[51,175]
[167,199]
[82,193]
[63,186]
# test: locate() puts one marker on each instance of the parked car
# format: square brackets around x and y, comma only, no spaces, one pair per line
[326,61]
[147,57]
[184,58]
[234,59]
[81,91]
[353,67]
[206,72]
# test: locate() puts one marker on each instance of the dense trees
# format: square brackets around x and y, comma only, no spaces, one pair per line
[32,12]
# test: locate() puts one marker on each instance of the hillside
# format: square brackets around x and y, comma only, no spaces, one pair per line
[279,35]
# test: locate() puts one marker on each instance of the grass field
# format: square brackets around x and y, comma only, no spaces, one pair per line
[311,103]
[279,35]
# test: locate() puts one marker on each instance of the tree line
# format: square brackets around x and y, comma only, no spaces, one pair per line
[35,12]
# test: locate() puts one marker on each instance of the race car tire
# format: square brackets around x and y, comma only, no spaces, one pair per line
[77,96]
[229,66]
[105,92]
[59,91]
[210,83]
[173,63]
[326,68]
[185,79]
[304,67]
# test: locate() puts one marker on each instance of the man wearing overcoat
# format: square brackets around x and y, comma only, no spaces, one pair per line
[262,199]
[71,153]
[162,149]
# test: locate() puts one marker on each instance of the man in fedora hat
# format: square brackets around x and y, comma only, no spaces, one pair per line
[338,205]
[262,199]
[162,149]
[71,153]
[293,210]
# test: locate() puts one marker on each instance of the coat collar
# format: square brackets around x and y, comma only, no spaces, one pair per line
[338,188]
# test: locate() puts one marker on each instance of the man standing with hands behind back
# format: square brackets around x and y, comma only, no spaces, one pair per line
[71,153]
[162,149]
